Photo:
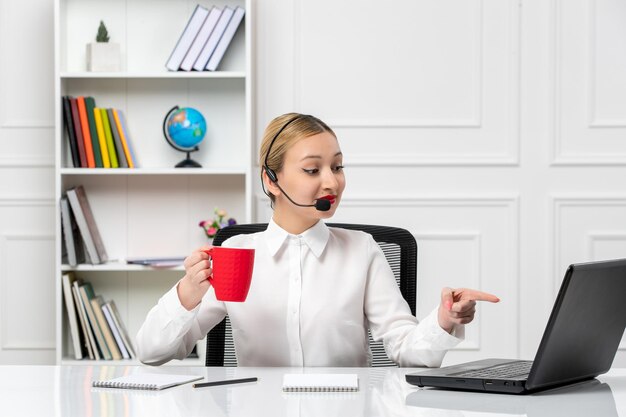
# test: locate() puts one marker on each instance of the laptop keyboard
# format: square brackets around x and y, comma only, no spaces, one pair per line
[507,370]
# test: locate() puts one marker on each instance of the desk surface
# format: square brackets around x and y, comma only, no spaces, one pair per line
[66,391]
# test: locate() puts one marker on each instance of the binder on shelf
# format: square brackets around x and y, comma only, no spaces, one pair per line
[190,32]
[78,132]
[86,295]
[84,125]
[227,37]
[87,224]
[214,39]
[109,138]
[71,136]
[201,39]
[106,163]
[121,158]
[90,104]
[71,235]
[96,305]
[123,141]
[89,339]
[70,307]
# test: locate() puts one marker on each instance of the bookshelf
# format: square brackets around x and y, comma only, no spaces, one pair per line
[152,210]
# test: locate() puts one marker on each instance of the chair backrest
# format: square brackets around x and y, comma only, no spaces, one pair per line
[400,249]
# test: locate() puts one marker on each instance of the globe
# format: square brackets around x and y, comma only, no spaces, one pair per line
[184,128]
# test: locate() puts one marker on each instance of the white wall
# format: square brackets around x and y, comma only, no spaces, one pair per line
[491,129]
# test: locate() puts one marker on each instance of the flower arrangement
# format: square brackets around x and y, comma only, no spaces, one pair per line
[212,226]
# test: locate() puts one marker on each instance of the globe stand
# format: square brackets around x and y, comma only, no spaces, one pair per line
[188,162]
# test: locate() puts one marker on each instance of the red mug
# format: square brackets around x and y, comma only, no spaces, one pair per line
[232,272]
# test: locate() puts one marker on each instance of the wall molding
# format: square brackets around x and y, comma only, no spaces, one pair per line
[6,343]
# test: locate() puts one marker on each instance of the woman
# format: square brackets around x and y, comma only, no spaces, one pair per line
[315,290]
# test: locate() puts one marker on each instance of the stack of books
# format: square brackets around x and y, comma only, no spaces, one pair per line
[98,137]
[95,325]
[205,39]
[81,237]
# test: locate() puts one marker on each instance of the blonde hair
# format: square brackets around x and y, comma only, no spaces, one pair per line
[295,126]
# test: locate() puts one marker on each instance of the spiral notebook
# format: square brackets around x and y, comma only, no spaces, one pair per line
[146,381]
[320,383]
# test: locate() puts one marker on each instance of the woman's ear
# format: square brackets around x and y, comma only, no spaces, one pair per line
[269,185]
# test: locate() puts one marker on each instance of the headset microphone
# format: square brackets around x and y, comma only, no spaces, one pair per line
[320,204]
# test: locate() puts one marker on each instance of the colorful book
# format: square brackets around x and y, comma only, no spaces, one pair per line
[96,304]
[71,235]
[214,39]
[120,131]
[121,157]
[190,32]
[86,295]
[129,142]
[201,39]
[71,136]
[117,318]
[90,104]
[84,125]
[78,131]
[225,40]
[70,307]
[87,224]
[109,137]
[90,341]
[102,140]
[114,330]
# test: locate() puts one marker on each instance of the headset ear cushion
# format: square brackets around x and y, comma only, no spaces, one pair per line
[270,174]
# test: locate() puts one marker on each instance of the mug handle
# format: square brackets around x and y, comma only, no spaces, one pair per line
[210,253]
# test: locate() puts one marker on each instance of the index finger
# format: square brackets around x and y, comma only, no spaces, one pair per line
[480,296]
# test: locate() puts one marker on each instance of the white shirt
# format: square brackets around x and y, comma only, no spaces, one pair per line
[312,298]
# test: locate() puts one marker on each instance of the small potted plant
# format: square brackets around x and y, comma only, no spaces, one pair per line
[212,226]
[102,55]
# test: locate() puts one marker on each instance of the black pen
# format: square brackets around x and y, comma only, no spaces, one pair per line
[226,382]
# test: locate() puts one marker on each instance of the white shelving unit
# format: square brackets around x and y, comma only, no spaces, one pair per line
[153,210]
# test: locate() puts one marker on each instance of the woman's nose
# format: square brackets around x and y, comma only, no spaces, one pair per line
[329,182]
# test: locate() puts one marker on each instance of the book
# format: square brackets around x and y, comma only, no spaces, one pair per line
[114,330]
[190,32]
[90,104]
[78,133]
[126,133]
[70,307]
[225,40]
[96,305]
[120,132]
[87,224]
[214,39]
[147,381]
[84,125]
[106,126]
[120,326]
[89,339]
[121,158]
[71,235]
[157,262]
[201,39]
[102,140]
[86,295]
[71,136]
[320,383]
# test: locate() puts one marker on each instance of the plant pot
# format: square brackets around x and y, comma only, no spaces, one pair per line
[103,57]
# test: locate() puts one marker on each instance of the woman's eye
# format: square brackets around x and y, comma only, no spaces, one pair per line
[311,171]
[338,168]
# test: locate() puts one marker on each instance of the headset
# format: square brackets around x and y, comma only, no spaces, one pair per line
[320,204]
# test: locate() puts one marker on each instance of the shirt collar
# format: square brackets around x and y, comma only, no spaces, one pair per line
[315,238]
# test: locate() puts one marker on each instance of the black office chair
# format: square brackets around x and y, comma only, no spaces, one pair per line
[400,249]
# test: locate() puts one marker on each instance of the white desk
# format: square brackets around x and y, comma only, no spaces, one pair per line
[66,391]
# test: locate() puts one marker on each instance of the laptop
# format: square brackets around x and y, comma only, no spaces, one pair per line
[580,341]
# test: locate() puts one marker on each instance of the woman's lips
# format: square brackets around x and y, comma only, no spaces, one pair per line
[330,198]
